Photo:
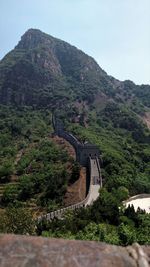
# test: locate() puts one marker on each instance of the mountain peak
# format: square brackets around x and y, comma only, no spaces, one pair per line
[33,38]
[42,70]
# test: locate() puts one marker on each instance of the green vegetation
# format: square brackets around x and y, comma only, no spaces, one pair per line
[42,177]
[17,220]
[124,144]
[33,168]
[107,221]
[44,75]
[43,71]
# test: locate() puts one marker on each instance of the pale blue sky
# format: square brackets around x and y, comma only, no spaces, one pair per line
[115,32]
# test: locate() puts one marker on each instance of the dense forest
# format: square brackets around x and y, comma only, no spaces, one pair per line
[124,144]
[43,75]
[33,168]
[34,176]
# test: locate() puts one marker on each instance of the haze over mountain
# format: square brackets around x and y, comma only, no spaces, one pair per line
[45,71]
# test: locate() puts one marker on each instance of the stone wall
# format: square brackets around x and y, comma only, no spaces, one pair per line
[83,151]
[29,251]
[86,151]
[60,212]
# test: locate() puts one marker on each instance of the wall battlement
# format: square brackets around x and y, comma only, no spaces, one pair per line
[83,150]
[87,155]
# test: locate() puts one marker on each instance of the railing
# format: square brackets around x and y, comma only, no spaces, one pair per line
[83,203]
[74,141]
[99,171]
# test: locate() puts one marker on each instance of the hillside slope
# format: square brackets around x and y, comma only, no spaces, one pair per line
[44,75]
[45,71]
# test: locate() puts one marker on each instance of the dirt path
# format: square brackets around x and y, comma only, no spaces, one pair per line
[18,156]
[14,177]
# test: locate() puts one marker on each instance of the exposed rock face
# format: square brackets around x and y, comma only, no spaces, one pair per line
[23,251]
[45,71]
[40,66]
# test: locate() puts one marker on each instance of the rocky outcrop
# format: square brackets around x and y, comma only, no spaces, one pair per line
[41,68]
[28,251]
[45,71]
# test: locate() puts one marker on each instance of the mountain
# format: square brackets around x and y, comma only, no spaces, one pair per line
[45,71]
[41,68]
[42,75]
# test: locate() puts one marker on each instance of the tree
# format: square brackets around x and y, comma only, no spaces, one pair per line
[75,172]
[26,186]
[10,194]
[143,236]
[127,234]
[5,171]
[17,220]
[106,208]
[122,193]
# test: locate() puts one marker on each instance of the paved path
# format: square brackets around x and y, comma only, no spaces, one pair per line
[93,193]
[95,178]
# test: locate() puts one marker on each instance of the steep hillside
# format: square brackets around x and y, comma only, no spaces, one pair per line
[41,69]
[45,71]
[43,75]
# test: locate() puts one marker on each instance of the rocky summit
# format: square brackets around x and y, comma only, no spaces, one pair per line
[47,85]
[45,71]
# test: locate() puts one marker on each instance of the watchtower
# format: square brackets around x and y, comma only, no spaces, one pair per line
[85,151]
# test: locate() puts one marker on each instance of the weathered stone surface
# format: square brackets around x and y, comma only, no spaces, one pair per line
[27,251]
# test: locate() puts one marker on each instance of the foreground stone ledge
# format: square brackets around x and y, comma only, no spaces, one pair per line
[28,251]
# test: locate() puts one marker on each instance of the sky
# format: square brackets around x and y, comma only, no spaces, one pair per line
[115,32]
